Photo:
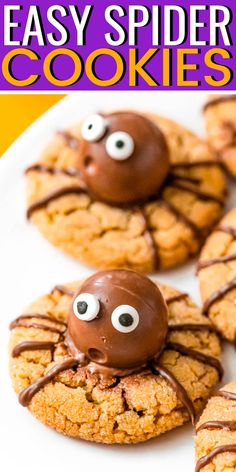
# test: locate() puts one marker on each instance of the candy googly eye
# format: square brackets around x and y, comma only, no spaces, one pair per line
[93,128]
[120,145]
[125,318]
[86,306]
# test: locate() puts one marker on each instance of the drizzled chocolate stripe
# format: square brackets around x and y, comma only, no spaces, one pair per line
[215,260]
[149,236]
[227,425]
[43,202]
[32,346]
[189,165]
[43,168]
[218,294]
[192,327]
[178,389]
[176,298]
[40,316]
[227,230]
[217,450]
[184,178]
[199,356]
[21,322]
[218,100]
[225,394]
[181,217]
[63,290]
[199,193]
[27,394]
[72,142]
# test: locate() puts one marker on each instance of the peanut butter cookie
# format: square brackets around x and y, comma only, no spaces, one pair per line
[217,276]
[126,190]
[114,359]
[216,433]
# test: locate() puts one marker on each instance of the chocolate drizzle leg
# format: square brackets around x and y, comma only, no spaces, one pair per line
[198,356]
[199,193]
[215,260]
[178,389]
[192,327]
[176,298]
[27,394]
[149,236]
[43,202]
[226,425]
[21,322]
[218,294]
[43,168]
[184,178]
[181,217]
[40,316]
[190,165]
[217,450]
[32,346]
[224,394]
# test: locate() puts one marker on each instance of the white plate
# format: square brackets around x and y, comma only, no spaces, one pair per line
[30,266]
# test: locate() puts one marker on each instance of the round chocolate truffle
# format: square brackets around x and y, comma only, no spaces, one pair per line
[123,157]
[118,319]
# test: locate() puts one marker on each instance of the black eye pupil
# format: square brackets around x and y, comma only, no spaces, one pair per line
[126,319]
[82,307]
[90,126]
[120,144]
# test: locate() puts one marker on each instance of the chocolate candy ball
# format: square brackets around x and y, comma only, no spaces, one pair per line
[123,157]
[118,319]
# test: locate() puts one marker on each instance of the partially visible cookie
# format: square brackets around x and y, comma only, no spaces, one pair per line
[217,276]
[216,433]
[127,409]
[220,119]
[156,233]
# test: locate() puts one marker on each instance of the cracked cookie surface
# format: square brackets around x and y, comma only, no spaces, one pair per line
[220,120]
[131,409]
[216,433]
[217,276]
[158,235]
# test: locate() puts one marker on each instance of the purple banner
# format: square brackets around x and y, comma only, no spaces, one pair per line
[82,45]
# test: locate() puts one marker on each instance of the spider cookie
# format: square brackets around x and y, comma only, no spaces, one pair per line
[216,432]
[220,119]
[114,359]
[126,190]
[217,276]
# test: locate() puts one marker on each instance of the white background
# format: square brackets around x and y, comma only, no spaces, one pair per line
[29,266]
